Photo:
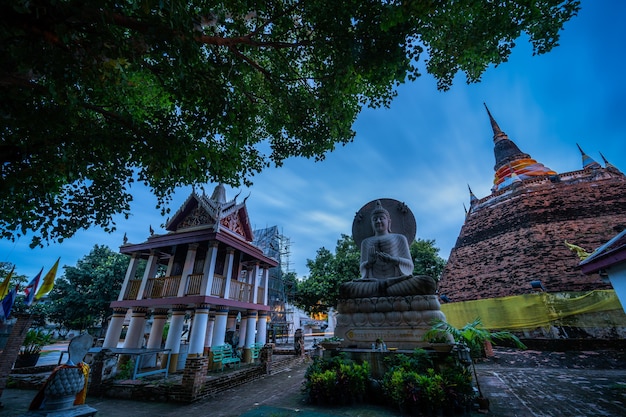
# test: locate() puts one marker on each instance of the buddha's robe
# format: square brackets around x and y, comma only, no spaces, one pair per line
[383,278]
[391,244]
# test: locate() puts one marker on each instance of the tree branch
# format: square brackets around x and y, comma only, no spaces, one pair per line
[262,70]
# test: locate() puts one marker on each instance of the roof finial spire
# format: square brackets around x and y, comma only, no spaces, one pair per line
[467,213]
[588,162]
[473,198]
[498,134]
[606,162]
[608,165]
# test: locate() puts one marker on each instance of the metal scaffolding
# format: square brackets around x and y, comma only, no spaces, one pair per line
[274,244]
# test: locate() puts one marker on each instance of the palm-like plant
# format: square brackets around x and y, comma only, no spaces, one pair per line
[472,335]
[34,341]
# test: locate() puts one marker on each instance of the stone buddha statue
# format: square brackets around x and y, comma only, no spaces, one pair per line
[386,265]
[387,302]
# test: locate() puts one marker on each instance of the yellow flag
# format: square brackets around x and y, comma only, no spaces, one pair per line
[4,287]
[48,281]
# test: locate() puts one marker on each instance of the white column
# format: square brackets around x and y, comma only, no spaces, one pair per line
[130,274]
[114,331]
[198,330]
[209,269]
[255,283]
[170,264]
[243,325]
[209,331]
[251,328]
[261,327]
[231,322]
[219,329]
[230,252]
[159,318]
[136,328]
[148,273]
[250,335]
[266,281]
[174,335]
[187,269]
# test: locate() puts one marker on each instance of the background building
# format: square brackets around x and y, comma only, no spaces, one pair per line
[526,237]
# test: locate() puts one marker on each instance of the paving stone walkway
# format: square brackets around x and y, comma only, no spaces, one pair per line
[540,385]
[556,392]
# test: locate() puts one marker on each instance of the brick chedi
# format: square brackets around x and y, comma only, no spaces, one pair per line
[520,233]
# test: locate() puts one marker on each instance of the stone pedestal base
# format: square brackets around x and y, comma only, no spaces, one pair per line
[399,321]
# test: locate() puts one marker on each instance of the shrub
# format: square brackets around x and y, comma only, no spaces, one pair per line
[457,387]
[125,369]
[321,387]
[414,383]
[336,380]
[419,361]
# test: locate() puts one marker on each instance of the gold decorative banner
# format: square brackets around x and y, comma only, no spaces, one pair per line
[530,311]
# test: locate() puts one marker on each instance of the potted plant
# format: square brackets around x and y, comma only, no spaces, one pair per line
[30,350]
[331,343]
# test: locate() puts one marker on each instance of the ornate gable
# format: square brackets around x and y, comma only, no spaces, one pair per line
[213,211]
[196,217]
[234,217]
[190,214]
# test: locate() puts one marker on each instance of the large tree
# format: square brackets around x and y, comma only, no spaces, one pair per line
[320,290]
[426,259]
[81,296]
[97,94]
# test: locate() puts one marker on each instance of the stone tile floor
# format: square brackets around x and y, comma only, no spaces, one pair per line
[517,383]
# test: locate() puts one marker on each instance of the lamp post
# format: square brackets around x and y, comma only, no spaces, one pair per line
[463,352]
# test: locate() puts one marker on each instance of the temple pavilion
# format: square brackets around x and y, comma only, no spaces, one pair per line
[205,267]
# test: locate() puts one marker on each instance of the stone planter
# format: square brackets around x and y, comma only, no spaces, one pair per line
[441,347]
[330,345]
[26,360]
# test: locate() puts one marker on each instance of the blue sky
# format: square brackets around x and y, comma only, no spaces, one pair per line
[424,150]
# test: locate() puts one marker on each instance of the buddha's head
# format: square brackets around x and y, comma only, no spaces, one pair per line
[381,220]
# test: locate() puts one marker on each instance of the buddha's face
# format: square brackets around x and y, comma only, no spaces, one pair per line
[380,223]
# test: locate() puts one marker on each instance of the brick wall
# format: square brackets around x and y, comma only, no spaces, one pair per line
[194,385]
[12,348]
[194,375]
[518,237]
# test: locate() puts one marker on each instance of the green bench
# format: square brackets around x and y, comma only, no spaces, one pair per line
[255,350]
[224,355]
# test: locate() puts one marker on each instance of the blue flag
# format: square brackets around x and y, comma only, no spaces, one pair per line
[31,289]
[7,304]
